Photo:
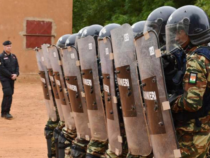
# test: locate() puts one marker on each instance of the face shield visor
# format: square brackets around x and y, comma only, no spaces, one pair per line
[177,35]
[151,25]
[102,32]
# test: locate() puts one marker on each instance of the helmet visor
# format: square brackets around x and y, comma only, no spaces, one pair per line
[151,25]
[176,36]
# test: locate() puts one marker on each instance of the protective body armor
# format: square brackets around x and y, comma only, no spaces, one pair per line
[186,116]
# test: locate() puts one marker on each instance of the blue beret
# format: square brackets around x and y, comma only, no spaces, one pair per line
[7,43]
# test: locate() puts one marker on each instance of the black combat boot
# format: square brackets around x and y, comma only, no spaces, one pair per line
[8,116]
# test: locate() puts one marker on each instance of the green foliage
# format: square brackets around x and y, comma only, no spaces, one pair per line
[205,5]
[103,12]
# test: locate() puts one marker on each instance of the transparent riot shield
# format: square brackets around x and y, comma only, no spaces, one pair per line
[52,80]
[56,63]
[158,111]
[110,96]
[131,100]
[73,77]
[90,77]
[49,101]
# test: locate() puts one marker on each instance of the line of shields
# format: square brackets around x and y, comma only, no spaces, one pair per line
[111,89]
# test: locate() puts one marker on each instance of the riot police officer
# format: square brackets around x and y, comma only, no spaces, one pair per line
[9,71]
[188,30]
[172,64]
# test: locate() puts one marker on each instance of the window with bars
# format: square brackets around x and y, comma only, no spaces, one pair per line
[37,33]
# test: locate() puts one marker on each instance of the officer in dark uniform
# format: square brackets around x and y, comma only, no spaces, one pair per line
[9,71]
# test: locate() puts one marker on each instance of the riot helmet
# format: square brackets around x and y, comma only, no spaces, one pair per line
[188,24]
[106,30]
[138,27]
[92,30]
[62,40]
[157,20]
[71,40]
[81,31]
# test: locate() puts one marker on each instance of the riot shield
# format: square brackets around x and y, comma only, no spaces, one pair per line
[159,116]
[52,80]
[49,101]
[56,63]
[130,96]
[75,88]
[113,123]
[90,77]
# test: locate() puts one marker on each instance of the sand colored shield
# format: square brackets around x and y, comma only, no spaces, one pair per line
[74,84]
[92,87]
[55,60]
[158,111]
[47,90]
[110,95]
[126,70]
[52,80]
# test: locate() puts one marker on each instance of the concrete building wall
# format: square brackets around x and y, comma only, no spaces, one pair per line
[13,16]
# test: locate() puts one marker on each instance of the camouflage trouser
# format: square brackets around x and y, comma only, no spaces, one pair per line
[194,141]
[97,148]
[68,136]
[60,125]
[79,147]
[57,132]
[125,153]
[49,128]
[68,152]
[110,154]
[58,129]
[129,155]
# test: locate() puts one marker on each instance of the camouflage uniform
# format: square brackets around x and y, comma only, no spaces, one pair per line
[97,148]
[78,148]
[194,135]
[49,128]
[70,135]
[129,155]
[125,154]
[110,154]
[56,133]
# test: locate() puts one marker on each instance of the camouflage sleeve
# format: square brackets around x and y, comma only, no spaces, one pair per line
[194,83]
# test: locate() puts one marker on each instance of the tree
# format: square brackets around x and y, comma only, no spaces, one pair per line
[103,12]
[205,5]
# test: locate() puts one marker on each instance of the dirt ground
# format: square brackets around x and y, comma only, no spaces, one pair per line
[23,136]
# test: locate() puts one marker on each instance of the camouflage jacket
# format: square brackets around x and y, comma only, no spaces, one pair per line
[195,81]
